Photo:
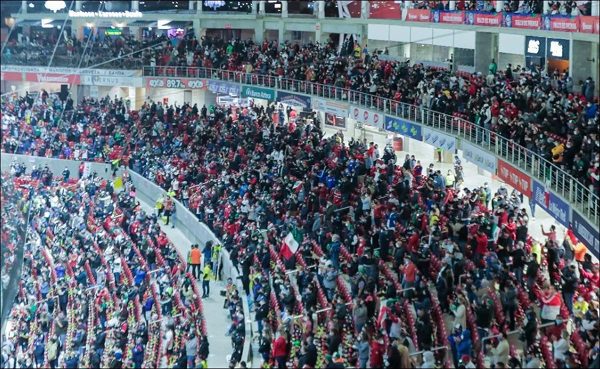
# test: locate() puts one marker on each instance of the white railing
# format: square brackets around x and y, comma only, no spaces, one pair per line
[562,183]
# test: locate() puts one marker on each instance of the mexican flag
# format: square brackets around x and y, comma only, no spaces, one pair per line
[298,186]
[290,244]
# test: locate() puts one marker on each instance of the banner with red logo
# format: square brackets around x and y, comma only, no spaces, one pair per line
[418,15]
[560,23]
[514,177]
[12,76]
[367,117]
[484,19]
[52,78]
[451,17]
[589,24]
[385,10]
[522,21]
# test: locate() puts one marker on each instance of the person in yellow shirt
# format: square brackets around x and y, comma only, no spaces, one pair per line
[580,307]
[207,276]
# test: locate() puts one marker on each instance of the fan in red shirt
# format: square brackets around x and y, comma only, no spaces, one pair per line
[280,350]
[377,350]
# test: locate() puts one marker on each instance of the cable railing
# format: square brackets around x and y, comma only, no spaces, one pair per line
[562,183]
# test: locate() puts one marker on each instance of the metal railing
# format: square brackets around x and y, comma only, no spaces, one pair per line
[562,183]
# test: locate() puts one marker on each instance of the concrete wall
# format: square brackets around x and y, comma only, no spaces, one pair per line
[486,49]
[582,66]
[55,165]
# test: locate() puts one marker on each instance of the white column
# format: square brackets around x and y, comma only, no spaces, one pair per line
[499,5]
[452,5]
[546,7]
[319,9]
[135,5]
[191,5]
[254,7]
[284,9]
[24,6]
[199,7]
[261,7]
[78,5]
[364,9]
[197,30]
[595,8]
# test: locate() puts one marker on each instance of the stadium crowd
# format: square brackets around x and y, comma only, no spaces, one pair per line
[389,250]
[548,113]
[101,284]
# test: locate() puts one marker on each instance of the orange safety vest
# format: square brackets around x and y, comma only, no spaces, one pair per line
[195,256]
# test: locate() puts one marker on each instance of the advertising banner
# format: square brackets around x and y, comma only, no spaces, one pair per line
[451,17]
[403,127]
[479,157]
[258,93]
[52,78]
[111,81]
[331,107]
[186,83]
[336,121]
[225,88]
[418,15]
[586,233]
[513,20]
[83,71]
[439,140]
[553,205]
[294,99]
[588,24]
[561,23]
[367,117]
[385,9]
[484,19]
[11,76]
[514,177]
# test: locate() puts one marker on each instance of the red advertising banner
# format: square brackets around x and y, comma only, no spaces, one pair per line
[454,17]
[514,177]
[52,78]
[563,24]
[11,76]
[484,19]
[191,83]
[588,24]
[418,15]
[385,10]
[522,21]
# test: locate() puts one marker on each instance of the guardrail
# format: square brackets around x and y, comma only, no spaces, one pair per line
[562,183]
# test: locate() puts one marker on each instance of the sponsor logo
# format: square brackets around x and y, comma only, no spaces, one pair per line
[46,78]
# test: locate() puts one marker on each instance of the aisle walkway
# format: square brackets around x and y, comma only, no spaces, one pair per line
[214,314]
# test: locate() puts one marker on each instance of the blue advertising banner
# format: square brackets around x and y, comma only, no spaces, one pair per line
[222,87]
[550,202]
[293,99]
[403,127]
[479,157]
[438,139]
[586,233]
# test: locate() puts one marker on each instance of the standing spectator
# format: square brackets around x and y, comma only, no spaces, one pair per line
[569,286]
[195,260]
[280,351]
[207,276]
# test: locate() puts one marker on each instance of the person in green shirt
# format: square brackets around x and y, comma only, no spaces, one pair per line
[493,68]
